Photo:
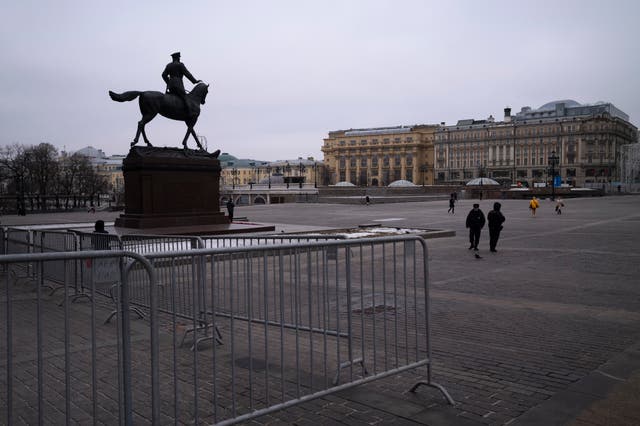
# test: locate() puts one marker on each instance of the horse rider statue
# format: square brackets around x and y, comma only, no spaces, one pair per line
[172,76]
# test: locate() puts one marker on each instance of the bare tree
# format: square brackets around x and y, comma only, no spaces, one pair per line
[16,167]
[91,183]
[43,160]
[71,167]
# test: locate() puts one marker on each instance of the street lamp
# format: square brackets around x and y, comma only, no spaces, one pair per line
[553,162]
[302,169]
[287,173]
[315,174]
[269,175]
[234,173]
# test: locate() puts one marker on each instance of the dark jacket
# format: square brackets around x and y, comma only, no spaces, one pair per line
[495,219]
[475,219]
[172,75]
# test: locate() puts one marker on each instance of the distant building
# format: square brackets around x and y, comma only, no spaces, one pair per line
[236,171]
[586,138]
[379,156]
[108,166]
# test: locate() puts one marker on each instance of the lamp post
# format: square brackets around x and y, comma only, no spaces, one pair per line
[269,175]
[315,174]
[287,173]
[234,173]
[301,169]
[553,162]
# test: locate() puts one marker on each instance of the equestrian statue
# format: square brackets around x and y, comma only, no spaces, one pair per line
[175,104]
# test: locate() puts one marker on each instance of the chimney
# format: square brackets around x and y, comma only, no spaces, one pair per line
[507,115]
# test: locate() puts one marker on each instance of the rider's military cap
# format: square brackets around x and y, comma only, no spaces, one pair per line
[175,54]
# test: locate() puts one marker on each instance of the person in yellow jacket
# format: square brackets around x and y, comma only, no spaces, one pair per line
[533,205]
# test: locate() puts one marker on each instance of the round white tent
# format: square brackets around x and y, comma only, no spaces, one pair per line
[401,182]
[482,181]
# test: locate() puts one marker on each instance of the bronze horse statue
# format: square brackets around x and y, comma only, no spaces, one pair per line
[168,105]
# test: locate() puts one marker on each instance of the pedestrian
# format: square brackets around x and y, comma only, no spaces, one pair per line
[367,199]
[533,205]
[452,205]
[495,219]
[230,207]
[559,205]
[99,241]
[475,223]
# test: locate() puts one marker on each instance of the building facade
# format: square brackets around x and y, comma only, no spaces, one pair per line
[586,139]
[300,171]
[379,156]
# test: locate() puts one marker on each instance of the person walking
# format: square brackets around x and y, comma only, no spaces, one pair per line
[452,205]
[495,219]
[533,205]
[559,205]
[475,223]
[230,207]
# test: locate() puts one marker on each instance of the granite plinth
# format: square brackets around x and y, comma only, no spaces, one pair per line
[170,187]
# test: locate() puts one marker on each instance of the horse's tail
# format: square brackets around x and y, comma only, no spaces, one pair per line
[124,97]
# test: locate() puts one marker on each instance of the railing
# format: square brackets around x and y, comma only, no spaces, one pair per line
[293,322]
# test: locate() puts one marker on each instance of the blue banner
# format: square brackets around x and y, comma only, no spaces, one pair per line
[557,181]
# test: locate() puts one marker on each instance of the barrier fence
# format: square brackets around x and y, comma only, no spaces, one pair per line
[273,325]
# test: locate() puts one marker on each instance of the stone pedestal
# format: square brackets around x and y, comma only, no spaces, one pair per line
[170,187]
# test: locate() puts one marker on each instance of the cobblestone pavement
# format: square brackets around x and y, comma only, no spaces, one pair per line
[545,331]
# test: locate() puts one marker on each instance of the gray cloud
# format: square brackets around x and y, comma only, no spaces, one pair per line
[284,73]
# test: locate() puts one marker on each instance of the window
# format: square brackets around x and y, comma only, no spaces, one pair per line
[343,163]
[385,161]
[353,162]
[363,161]
[374,161]
[397,160]
[409,160]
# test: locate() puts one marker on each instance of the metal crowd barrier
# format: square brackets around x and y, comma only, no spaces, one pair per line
[301,321]
[57,364]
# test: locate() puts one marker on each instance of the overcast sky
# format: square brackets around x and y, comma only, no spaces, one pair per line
[285,73]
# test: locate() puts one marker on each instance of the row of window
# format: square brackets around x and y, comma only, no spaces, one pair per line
[386,160]
[408,139]
[528,131]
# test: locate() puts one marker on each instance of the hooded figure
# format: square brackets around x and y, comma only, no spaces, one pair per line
[475,223]
[495,219]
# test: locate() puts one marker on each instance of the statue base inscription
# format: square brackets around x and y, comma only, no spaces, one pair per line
[170,187]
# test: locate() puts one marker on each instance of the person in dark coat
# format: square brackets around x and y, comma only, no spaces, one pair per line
[99,240]
[230,206]
[495,219]
[475,223]
[452,205]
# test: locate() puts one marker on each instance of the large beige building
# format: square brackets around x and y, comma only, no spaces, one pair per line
[586,139]
[379,156]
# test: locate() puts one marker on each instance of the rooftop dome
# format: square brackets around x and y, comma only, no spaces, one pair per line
[482,181]
[401,182]
[343,183]
[550,106]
